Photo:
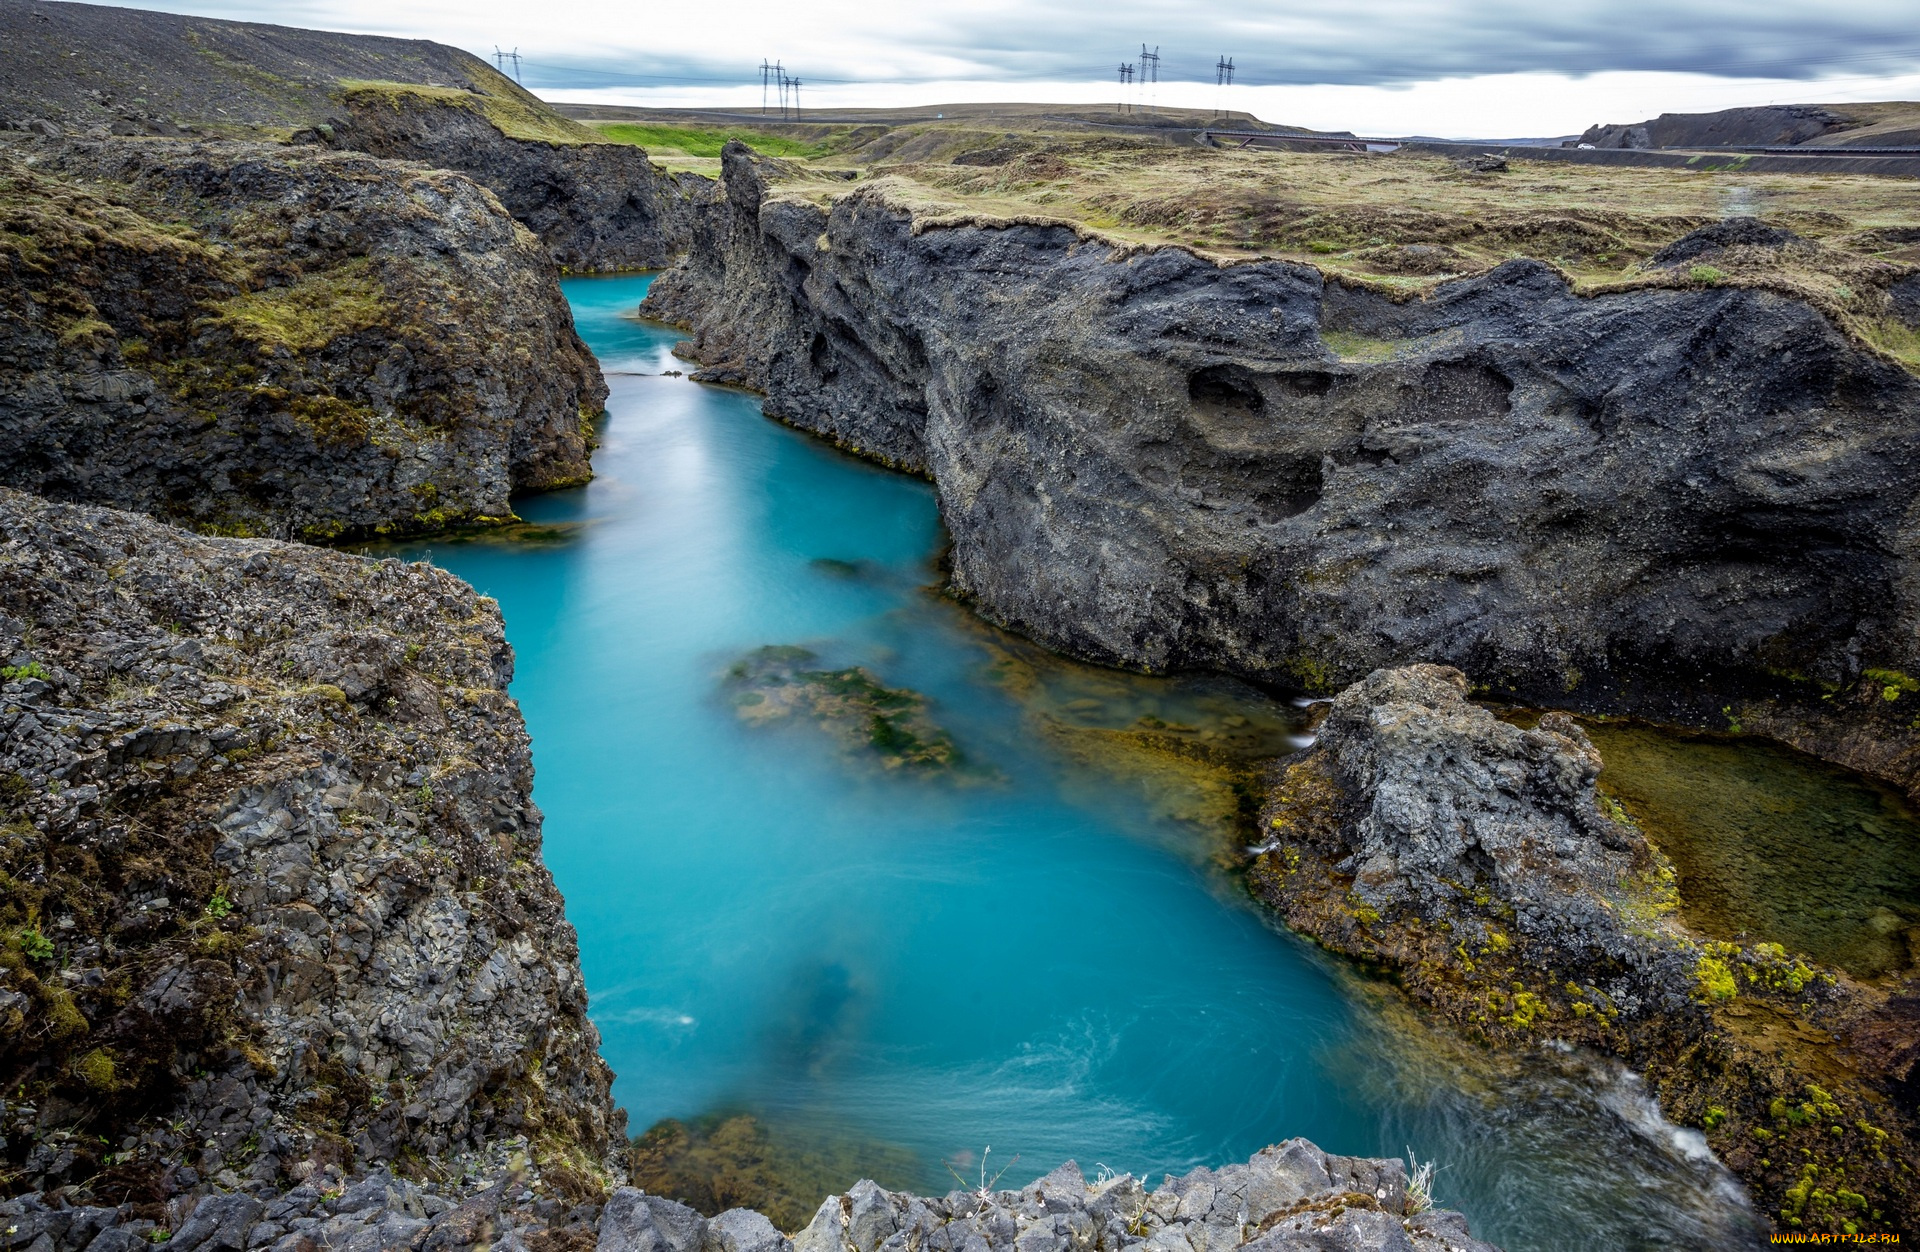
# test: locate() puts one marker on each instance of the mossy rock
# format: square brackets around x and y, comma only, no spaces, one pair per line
[887,725]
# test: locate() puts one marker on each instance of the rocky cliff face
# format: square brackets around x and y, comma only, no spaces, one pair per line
[596,205]
[1478,862]
[270,877]
[258,340]
[1655,499]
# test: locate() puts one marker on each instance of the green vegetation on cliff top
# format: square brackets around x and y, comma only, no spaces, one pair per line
[1400,223]
[514,116]
[706,142]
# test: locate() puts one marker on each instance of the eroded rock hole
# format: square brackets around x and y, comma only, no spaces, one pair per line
[1226,391]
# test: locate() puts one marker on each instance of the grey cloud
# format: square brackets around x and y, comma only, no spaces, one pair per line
[1363,42]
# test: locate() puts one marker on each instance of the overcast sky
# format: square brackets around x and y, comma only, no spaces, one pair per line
[1486,67]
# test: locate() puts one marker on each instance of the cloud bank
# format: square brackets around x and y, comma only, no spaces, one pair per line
[842,47]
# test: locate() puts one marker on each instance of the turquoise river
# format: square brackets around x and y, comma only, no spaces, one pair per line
[1044,959]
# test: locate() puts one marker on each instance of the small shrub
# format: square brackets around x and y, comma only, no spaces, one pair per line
[220,906]
[1708,274]
[20,673]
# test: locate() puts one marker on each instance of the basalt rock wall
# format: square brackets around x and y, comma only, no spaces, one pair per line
[263,340]
[597,206]
[1655,500]
[271,892]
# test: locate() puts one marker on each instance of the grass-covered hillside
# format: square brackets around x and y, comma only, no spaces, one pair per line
[86,67]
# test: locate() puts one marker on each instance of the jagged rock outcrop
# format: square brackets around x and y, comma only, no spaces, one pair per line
[271,895]
[1478,862]
[1291,1196]
[596,205]
[256,340]
[1653,499]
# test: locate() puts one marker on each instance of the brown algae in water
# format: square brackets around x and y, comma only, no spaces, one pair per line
[722,1161]
[1774,843]
[1190,749]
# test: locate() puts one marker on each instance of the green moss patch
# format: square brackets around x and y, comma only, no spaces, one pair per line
[313,311]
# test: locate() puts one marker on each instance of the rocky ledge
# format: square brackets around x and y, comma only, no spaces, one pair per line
[597,205]
[259,340]
[1290,1197]
[1478,863]
[271,893]
[1678,500]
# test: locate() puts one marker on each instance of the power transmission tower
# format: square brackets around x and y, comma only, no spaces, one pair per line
[780,81]
[766,77]
[1223,79]
[1150,70]
[1126,78]
[796,99]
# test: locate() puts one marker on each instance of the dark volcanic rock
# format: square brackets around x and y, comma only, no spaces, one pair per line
[257,340]
[1478,862]
[1708,241]
[270,875]
[1418,811]
[1630,500]
[596,205]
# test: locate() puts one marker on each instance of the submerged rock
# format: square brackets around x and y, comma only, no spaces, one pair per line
[866,718]
[270,877]
[1479,863]
[253,340]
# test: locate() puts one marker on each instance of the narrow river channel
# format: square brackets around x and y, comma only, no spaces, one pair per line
[1040,954]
